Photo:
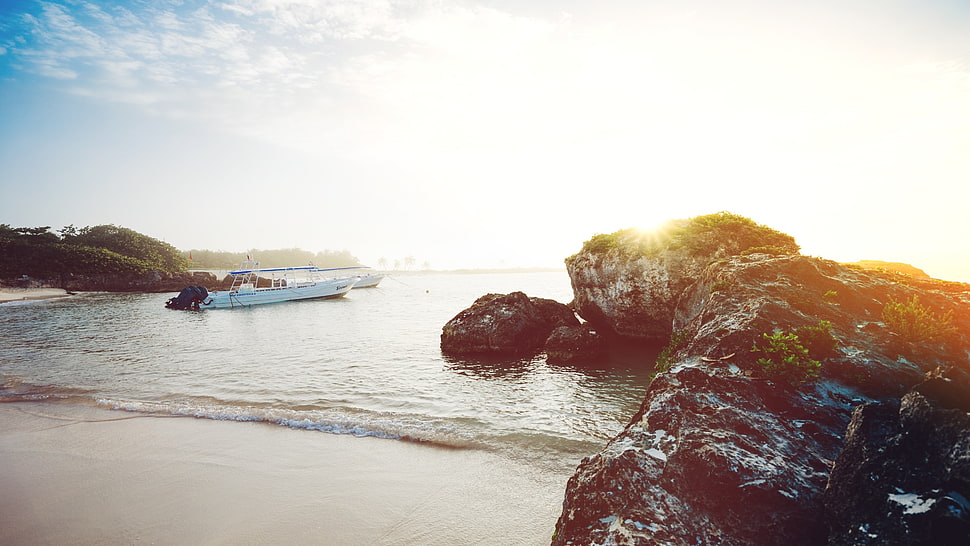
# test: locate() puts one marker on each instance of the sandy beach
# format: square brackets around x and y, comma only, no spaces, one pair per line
[17,294]
[84,475]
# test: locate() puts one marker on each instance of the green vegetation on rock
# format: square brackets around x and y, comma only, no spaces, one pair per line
[666,358]
[786,359]
[794,357]
[106,249]
[707,235]
[914,322]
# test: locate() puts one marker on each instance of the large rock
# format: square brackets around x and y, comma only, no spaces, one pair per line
[576,345]
[504,324]
[631,297]
[904,475]
[718,454]
[630,282]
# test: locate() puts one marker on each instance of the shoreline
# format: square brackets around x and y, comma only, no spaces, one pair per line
[29,294]
[78,474]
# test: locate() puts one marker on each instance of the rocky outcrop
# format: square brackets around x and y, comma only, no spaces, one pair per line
[904,474]
[629,283]
[718,453]
[632,297]
[504,324]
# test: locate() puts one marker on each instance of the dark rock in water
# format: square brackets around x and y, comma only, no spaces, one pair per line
[904,475]
[718,453]
[576,345]
[504,324]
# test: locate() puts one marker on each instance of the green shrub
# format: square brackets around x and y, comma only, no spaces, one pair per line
[831,296]
[769,249]
[700,236]
[785,358]
[704,235]
[914,322]
[666,359]
[602,242]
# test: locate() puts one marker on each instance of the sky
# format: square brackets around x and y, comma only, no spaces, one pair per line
[490,133]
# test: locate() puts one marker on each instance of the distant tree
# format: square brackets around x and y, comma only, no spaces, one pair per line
[128,242]
[210,259]
[335,258]
[382,262]
[409,262]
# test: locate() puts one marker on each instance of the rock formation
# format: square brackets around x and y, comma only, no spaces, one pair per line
[509,324]
[904,474]
[629,283]
[575,345]
[724,452]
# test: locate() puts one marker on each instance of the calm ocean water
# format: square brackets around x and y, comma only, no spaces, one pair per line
[368,364]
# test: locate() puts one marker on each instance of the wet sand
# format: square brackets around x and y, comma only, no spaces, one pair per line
[18,294]
[82,475]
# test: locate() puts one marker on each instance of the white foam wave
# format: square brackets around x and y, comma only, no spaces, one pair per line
[354,422]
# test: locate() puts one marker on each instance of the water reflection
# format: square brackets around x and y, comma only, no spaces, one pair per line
[624,356]
[492,367]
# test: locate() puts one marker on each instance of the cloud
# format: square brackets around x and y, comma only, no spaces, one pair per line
[400,79]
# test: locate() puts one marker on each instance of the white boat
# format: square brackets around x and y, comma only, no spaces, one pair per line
[286,284]
[369,280]
[368,277]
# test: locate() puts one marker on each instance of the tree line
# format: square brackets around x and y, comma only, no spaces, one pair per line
[92,250]
[222,260]
[41,253]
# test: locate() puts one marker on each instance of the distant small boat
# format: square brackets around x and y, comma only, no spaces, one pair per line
[286,284]
[368,277]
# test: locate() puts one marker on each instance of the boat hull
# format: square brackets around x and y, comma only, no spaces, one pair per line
[229,299]
[369,281]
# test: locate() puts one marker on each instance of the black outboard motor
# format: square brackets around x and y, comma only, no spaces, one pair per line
[188,298]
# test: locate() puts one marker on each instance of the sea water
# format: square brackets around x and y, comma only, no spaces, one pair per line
[368,364]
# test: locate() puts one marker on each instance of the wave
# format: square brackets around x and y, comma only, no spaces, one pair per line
[541,447]
[351,421]
[13,389]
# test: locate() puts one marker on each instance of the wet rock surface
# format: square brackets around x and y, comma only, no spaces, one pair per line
[718,454]
[904,474]
[576,345]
